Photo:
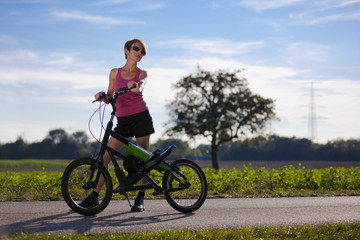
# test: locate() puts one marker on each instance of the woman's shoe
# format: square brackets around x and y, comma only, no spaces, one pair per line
[89,202]
[138,204]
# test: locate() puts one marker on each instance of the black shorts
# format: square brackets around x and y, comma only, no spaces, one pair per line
[138,125]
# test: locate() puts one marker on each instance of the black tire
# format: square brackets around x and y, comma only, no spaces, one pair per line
[189,199]
[76,174]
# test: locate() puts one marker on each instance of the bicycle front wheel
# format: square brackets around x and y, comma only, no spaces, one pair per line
[74,190]
[186,191]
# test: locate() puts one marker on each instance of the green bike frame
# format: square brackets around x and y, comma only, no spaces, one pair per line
[132,149]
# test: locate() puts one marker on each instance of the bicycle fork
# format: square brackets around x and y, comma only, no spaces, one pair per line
[100,162]
[93,183]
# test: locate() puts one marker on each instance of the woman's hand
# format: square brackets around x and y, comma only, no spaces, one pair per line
[134,90]
[100,94]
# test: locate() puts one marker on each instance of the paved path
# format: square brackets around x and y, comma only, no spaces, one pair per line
[56,217]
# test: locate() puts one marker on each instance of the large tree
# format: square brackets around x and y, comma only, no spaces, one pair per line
[218,106]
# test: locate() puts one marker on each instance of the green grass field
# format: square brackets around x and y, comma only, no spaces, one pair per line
[349,231]
[244,182]
[22,183]
[32,164]
[59,165]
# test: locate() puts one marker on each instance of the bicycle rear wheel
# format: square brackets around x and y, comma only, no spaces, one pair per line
[73,188]
[185,193]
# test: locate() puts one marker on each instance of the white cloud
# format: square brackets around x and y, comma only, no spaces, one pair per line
[269,81]
[348,3]
[261,5]
[111,2]
[51,77]
[8,57]
[332,4]
[131,6]
[306,12]
[307,52]
[338,101]
[62,61]
[314,17]
[142,7]
[98,20]
[216,46]
[150,6]
[158,87]
[50,70]
[289,87]
[335,18]
[327,11]
[316,6]
[26,1]
[7,39]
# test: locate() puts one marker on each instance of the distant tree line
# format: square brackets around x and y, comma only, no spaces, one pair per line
[58,144]
[283,149]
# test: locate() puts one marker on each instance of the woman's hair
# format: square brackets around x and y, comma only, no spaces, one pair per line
[130,42]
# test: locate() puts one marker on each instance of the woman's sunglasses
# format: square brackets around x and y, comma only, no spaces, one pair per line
[136,49]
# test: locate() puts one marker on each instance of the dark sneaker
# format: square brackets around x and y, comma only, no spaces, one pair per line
[89,202]
[138,205]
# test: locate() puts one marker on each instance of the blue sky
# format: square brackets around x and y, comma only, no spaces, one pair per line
[55,54]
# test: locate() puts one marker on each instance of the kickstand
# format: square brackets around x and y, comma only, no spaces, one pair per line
[127,197]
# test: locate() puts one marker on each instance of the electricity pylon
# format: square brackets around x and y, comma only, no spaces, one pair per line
[312,125]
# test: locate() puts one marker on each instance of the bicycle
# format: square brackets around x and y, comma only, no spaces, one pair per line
[184,184]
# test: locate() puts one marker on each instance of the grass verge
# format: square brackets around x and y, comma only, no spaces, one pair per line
[247,182]
[23,163]
[324,232]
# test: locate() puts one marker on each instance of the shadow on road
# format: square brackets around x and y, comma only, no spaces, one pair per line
[71,222]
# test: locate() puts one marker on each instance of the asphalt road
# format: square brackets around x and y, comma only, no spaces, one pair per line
[56,217]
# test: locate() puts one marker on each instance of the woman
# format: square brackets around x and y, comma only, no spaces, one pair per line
[133,117]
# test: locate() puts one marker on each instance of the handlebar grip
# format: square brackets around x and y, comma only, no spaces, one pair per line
[124,89]
[133,86]
[102,96]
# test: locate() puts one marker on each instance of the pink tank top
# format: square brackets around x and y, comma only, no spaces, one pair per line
[129,103]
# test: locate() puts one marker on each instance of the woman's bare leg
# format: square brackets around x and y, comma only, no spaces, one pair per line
[143,142]
[138,206]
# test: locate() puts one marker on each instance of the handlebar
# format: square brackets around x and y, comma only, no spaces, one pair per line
[119,92]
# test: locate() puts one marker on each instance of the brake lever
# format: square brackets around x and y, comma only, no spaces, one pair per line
[102,96]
